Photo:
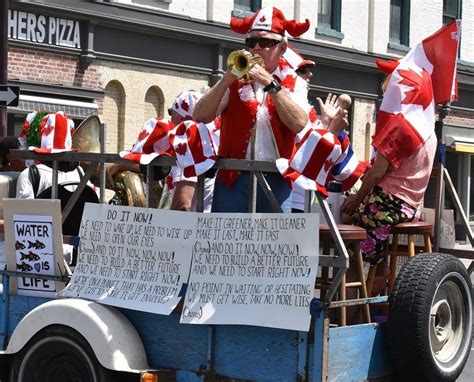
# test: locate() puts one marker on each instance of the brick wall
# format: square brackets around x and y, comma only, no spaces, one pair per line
[40,66]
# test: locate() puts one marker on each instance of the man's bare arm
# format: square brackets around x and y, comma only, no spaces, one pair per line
[289,112]
[206,108]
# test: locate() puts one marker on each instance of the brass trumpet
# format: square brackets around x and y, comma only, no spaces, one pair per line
[240,61]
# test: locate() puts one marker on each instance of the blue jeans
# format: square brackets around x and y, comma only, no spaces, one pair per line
[236,199]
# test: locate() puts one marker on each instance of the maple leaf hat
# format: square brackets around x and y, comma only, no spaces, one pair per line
[47,133]
[185,102]
[152,141]
[269,19]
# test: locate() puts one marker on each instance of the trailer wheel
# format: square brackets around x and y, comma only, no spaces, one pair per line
[58,353]
[430,318]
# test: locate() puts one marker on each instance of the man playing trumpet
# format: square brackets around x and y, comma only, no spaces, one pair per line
[271,98]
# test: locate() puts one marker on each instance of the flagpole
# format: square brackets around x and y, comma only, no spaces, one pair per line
[439,206]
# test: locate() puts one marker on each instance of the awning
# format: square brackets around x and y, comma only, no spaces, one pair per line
[74,109]
[460,144]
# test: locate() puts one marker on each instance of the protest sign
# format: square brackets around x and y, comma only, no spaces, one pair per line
[131,257]
[253,269]
[33,244]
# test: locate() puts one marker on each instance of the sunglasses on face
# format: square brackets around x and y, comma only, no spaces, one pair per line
[169,111]
[304,69]
[251,42]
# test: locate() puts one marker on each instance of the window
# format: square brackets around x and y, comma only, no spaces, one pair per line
[329,18]
[451,10]
[248,5]
[399,23]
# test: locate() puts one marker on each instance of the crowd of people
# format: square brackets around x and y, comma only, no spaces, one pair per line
[262,114]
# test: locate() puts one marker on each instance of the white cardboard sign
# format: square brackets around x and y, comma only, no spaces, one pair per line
[134,258]
[253,269]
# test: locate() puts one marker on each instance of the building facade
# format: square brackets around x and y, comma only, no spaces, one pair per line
[126,60]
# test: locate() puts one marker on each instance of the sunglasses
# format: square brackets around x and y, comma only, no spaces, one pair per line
[251,42]
[169,111]
[304,69]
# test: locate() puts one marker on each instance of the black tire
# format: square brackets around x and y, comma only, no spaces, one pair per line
[430,319]
[58,354]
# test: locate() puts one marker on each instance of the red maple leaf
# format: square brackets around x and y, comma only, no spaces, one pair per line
[46,130]
[184,105]
[143,134]
[328,164]
[181,148]
[421,92]
[262,19]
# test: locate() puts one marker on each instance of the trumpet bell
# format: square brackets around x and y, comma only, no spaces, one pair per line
[240,61]
[86,137]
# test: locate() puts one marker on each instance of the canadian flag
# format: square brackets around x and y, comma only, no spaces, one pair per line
[424,77]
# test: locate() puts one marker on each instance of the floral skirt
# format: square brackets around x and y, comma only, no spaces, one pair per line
[378,212]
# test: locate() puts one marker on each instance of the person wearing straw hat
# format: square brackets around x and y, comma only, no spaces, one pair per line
[272,99]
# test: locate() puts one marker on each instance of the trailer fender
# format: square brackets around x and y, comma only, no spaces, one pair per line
[110,334]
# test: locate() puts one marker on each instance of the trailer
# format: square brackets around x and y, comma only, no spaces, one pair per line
[426,336]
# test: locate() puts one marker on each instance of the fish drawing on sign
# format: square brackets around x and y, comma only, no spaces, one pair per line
[23,267]
[19,245]
[30,256]
[36,245]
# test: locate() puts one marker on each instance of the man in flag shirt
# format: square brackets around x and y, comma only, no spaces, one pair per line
[392,190]
[273,100]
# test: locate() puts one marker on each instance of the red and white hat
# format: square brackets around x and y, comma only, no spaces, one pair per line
[386,66]
[311,164]
[185,102]
[56,130]
[152,141]
[295,60]
[194,148]
[269,19]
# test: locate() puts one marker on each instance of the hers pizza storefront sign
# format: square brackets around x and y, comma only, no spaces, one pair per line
[43,29]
